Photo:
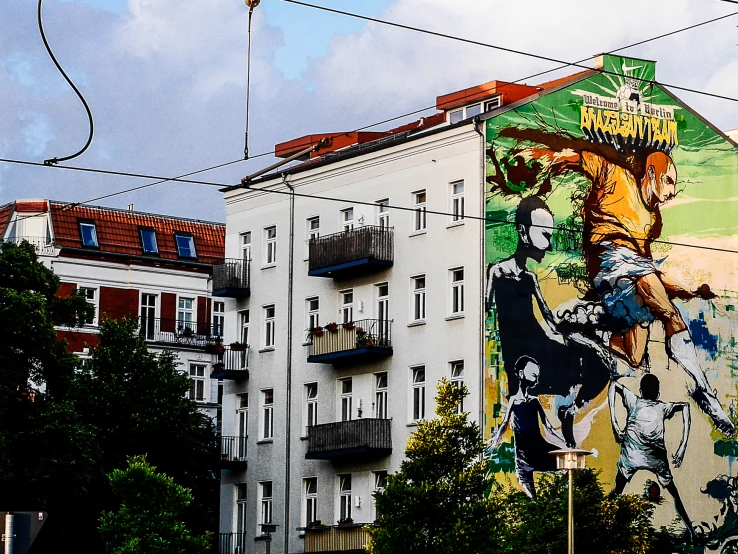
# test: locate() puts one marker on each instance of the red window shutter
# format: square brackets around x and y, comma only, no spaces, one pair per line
[66,290]
[133,296]
[118,303]
[168,312]
[203,322]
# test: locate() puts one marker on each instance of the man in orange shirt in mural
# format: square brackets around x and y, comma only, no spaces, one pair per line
[622,217]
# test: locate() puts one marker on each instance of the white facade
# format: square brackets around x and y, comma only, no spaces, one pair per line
[440,260]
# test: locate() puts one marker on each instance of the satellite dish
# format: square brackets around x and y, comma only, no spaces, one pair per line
[252,3]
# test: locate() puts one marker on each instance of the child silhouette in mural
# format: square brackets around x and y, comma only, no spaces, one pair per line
[525,412]
[642,445]
[573,363]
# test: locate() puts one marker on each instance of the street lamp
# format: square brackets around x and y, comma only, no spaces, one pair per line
[570,459]
[266,535]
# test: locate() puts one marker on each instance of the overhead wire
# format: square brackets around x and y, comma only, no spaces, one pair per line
[56,160]
[248,84]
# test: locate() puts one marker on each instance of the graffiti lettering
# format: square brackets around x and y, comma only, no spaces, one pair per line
[653,129]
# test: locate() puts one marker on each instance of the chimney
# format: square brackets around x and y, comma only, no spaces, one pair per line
[130,207]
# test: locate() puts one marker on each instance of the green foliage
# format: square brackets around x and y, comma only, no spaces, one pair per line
[149,518]
[436,503]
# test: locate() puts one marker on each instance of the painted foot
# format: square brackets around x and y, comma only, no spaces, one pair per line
[709,404]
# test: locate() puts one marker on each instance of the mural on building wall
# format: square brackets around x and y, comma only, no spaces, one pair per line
[609,236]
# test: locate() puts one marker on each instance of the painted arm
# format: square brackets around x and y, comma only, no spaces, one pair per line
[497,438]
[545,311]
[547,425]
[676,290]
[687,421]
[615,388]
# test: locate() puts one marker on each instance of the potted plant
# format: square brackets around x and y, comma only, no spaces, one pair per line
[348,325]
[316,331]
[332,327]
[317,524]
[345,522]
[186,331]
[215,347]
[237,346]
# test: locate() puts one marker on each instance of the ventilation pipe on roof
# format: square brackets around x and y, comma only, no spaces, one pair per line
[130,207]
[322,143]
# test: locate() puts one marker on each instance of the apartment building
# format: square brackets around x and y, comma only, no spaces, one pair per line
[157,269]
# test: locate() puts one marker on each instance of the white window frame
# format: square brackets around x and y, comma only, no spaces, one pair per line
[244,321]
[418,300]
[242,423]
[456,292]
[241,493]
[418,378]
[345,399]
[246,246]
[344,503]
[380,482]
[419,222]
[270,246]
[266,421]
[197,382]
[183,311]
[346,311]
[218,318]
[347,219]
[493,103]
[310,414]
[311,232]
[268,337]
[456,377]
[312,312]
[84,291]
[309,500]
[457,207]
[266,504]
[381,395]
[383,213]
[144,330]
[454,114]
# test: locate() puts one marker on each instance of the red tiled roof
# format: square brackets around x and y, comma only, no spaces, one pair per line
[31,206]
[118,232]
[5,212]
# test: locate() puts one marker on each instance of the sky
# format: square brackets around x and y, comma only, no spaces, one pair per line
[166,79]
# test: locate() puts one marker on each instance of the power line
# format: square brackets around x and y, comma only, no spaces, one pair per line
[506,49]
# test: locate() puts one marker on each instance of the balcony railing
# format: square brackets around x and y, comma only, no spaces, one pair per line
[231,278]
[231,364]
[358,341]
[366,248]
[44,245]
[232,543]
[233,452]
[358,437]
[340,538]
[177,332]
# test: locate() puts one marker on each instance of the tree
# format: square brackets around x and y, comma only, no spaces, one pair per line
[437,501]
[148,520]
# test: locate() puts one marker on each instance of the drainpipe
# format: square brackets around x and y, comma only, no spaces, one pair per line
[288,419]
[9,532]
[482,269]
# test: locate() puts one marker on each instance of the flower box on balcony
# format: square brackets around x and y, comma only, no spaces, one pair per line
[237,347]
[349,325]
[345,522]
[214,348]
[332,327]
[316,331]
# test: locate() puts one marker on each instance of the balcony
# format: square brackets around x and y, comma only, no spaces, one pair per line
[341,538]
[232,364]
[174,332]
[233,452]
[361,250]
[357,341]
[231,279]
[232,543]
[341,439]
[44,245]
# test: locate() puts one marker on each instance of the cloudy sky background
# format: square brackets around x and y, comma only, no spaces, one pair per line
[166,79]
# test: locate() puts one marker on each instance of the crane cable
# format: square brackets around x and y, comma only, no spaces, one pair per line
[53,161]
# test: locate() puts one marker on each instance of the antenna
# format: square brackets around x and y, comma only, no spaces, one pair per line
[251,4]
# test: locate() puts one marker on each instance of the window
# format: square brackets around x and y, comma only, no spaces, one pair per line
[383,215]
[383,313]
[244,318]
[473,110]
[269,326]
[197,382]
[347,219]
[346,388]
[380,395]
[344,497]
[184,314]
[311,405]
[313,232]
[347,306]
[246,246]
[89,234]
[218,318]
[242,415]
[267,414]
[89,294]
[241,508]
[418,307]
[457,291]
[380,483]
[310,502]
[419,221]
[457,379]
[185,245]
[418,388]
[148,241]
[148,316]
[456,116]
[270,245]
[457,202]
[265,500]
[496,102]
[312,310]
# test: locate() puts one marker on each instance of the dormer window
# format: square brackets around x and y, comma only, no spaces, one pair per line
[88,233]
[185,245]
[460,114]
[456,116]
[148,241]
[496,102]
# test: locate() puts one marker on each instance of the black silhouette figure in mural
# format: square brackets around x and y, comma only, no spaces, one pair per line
[642,445]
[573,363]
[525,411]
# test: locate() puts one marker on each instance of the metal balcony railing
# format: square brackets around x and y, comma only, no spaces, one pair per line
[349,438]
[178,332]
[348,251]
[44,245]
[232,543]
[364,337]
[231,278]
[233,449]
[340,538]
[231,364]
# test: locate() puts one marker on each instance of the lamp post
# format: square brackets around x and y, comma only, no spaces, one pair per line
[266,533]
[570,459]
